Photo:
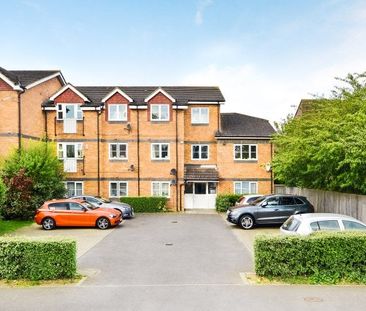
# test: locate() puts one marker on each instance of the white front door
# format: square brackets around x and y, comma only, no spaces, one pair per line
[200,195]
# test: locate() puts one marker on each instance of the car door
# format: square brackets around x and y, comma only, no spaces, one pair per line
[268,211]
[80,217]
[59,212]
[287,207]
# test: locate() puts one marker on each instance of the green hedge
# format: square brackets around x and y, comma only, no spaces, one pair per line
[224,201]
[31,259]
[321,257]
[147,204]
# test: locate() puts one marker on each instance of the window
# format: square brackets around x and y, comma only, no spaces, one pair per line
[159,112]
[273,201]
[245,152]
[58,206]
[117,112]
[118,151]
[160,189]
[287,201]
[70,150]
[298,201]
[75,207]
[118,189]
[199,116]
[352,225]
[199,152]
[69,111]
[160,151]
[245,187]
[74,188]
[327,225]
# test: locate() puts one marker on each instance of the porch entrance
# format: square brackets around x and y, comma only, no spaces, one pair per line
[200,195]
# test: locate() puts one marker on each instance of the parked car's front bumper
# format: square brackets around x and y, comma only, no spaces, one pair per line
[232,218]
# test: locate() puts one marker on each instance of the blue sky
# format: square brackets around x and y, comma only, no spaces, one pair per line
[264,55]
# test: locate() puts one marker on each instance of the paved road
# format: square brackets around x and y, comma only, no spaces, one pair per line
[176,262]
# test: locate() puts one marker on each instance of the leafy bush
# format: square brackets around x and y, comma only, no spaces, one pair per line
[22,258]
[322,257]
[2,193]
[224,201]
[147,204]
[32,175]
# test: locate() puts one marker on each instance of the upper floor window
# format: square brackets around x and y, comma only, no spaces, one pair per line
[159,112]
[199,115]
[160,189]
[70,150]
[199,152]
[69,111]
[245,187]
[118,151]
[160,151]
[245,152]
[117,112]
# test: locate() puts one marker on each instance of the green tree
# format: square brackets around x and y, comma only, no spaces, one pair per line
[2,193]
[325,148]
[32,176]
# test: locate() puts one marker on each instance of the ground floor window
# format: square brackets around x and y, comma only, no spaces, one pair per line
[160,189]
[118,189]
[245,187]
[74,188]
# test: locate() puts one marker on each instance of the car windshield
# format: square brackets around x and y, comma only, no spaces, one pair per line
[257,201]
[291,224]
[104,200]
[89,205]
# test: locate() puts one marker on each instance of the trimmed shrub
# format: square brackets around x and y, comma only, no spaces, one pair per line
[224,201]
[146,204]
[323,257]
[2,193]
[31,259]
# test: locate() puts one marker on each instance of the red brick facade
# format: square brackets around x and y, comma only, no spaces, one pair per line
[68,96]
[4,86]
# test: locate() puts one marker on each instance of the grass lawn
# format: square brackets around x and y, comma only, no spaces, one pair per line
[8,226]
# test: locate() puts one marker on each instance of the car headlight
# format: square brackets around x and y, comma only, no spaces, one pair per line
[112,216]
[235,212]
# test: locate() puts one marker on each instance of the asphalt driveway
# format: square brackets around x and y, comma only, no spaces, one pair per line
[168,249]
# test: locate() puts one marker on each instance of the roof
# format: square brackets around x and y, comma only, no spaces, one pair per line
[182,94]
[241,125]
[324,216]
[28,77]
[200,172]
[304,106]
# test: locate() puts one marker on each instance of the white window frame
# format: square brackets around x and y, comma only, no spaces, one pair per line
[61,109]
[200,152]
[160,183]
[250,153]
[75,182]
[200,120]
[62,148]
[119,107]
[118,151]
[159,119]
[118,182]
[160,151]
[250,184]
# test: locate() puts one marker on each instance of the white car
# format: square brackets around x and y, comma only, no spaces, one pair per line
[305,224]
[248,198]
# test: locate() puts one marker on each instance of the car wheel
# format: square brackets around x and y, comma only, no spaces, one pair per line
[103,223]
[48,224]
[246,222]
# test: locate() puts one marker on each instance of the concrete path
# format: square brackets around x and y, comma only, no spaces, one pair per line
[176,262]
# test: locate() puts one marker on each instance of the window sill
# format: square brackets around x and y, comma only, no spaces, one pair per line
[117,121]
[160,160]
[200,124]
[246,161]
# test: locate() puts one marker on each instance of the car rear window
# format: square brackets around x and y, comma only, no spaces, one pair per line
[58,206]
[352,225]
[298,201]
[326,225]
[291,224]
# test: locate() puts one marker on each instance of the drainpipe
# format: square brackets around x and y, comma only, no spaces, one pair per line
[138,151]
[271,168]
[20,90]
[45,124]
[98,151]
[176,159]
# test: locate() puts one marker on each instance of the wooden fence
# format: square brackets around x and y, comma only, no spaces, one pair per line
[330,202]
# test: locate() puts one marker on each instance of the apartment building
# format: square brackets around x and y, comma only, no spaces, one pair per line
[119,141]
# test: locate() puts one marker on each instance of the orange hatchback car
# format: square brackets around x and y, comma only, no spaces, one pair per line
[75,213]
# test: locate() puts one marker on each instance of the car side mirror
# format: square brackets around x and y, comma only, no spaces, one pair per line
[264,204]
[84,209]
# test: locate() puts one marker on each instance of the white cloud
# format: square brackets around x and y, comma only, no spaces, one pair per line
[201,7]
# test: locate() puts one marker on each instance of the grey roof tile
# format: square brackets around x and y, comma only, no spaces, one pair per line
[241,125]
